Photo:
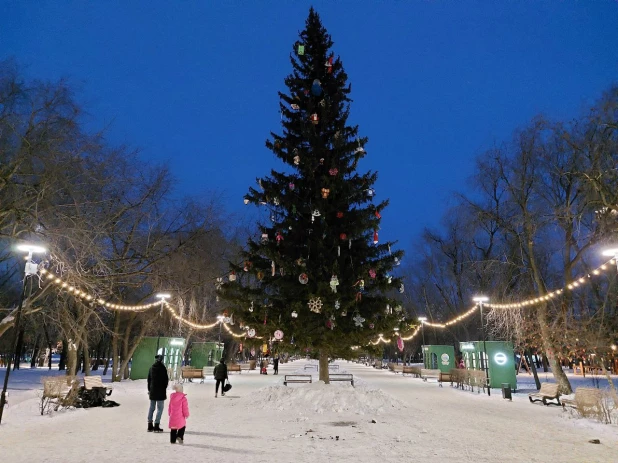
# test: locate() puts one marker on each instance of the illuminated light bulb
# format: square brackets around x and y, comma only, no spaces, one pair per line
[50,276]
[57,280]
[603,267]
[596,272]
[582,280]
[64,285]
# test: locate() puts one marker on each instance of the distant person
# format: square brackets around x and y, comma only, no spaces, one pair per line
[157,391]
[276,365]
[178,411]
[220,373]
[461,364]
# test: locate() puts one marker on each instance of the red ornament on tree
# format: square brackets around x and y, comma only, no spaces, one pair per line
[378,215]
[334,171]
[314,118]
[375,237]
[339,215]
[343,236]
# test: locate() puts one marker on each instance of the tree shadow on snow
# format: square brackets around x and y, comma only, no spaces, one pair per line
[216,434]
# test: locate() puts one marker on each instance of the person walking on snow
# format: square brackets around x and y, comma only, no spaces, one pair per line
[276,365]
[157,386]
[220,373]
[178,411]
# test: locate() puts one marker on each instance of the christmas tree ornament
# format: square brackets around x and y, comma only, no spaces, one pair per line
[378,215]
[232,276]
[321,161]
[330,324]
[246,200]
[401,288]
[388,309]
[279,237]
[343,236]
[278,335]
[315,304]
[396,261]
[400,345]
[349,244]
[303,278]
[372,273]
[218,283]
[322,103]
[247,266]
[272,217]
[334,282]
[375,237]
[334,171]
[314,118]
[370,192]
[315,214]
[316,88]
[294,314]
[301,262]
[292,340]
[264,238]
[329,65]
[291,186]
[398,308]
[338,251]
[337,304]
[371,326]
[251,307]
[301,50]
[340,215]
[295,107]
[276,201]
[344,313]
[251,333]
[260,275]
[281,272]
[272,268]
[296,160]
[389,278]
[325,192]
[358,320]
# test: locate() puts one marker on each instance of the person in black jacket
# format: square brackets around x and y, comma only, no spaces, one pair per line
[276,365]
[220,373]
[157,392]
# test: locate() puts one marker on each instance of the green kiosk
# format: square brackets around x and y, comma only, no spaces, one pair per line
[439,358]
[172,350]
[205,354]
[501,361]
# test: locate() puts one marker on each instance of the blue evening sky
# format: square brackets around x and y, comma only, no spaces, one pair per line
[434,83]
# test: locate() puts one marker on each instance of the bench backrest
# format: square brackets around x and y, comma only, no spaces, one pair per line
[56,387]
[549,389]
[234,367]
[92,381]
[293,377]
[341,376]
[588,396]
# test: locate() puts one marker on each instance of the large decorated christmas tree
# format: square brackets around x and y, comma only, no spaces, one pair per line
[317,277]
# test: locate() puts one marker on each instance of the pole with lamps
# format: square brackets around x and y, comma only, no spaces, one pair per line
[30,269]
[220,318]
[485,363]
[162,297]
[423,320]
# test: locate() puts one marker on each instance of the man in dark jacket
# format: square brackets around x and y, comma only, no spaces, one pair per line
[220,373]
[157,392]
[276,365]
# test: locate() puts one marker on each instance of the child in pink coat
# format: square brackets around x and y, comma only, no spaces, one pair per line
[179,412]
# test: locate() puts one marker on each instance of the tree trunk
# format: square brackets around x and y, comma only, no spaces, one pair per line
[115,356]
[35,352]
[534,372]
[86,353]
[49,346]
[108,354]
[18,349]
[71,359]
[561,378]
[62,364]
[324,367]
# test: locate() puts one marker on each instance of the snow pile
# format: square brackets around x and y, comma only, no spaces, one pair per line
[321,398]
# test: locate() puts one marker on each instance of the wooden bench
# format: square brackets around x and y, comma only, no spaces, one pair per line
[59,391]
[477,378]
[548,391]
[333,367]
[426,374]
[341,377]
[96,381]
[297,379]
[459,377]
[416,371]
[395,368]
[310,367]
[587,399]
[233,367]
[377,364]
[245,366]
[445,378]
[189,374]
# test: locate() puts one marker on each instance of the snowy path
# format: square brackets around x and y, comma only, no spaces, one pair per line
[436,425]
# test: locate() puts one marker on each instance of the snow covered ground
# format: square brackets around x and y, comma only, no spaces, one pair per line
[260,420]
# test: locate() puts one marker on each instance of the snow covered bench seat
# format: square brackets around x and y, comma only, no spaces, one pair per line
[190,373]
[234,367]
[587,399]
[341,377]
[427,373]
[548,391]
[445,378]
[395,368]
[59,391]
[297,379]
[96,381]
[416,371]
[310,367]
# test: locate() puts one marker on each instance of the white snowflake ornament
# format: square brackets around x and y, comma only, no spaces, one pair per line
[358,320]
[315,304]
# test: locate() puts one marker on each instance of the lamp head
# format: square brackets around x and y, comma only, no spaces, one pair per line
[163,296]
[611,252]
[30,248]
[422,319]
[480,299]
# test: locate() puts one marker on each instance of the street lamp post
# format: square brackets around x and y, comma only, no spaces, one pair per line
[485,363]
[423,320]
[30,269]
[162,297]
[612,252]
[220,318]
